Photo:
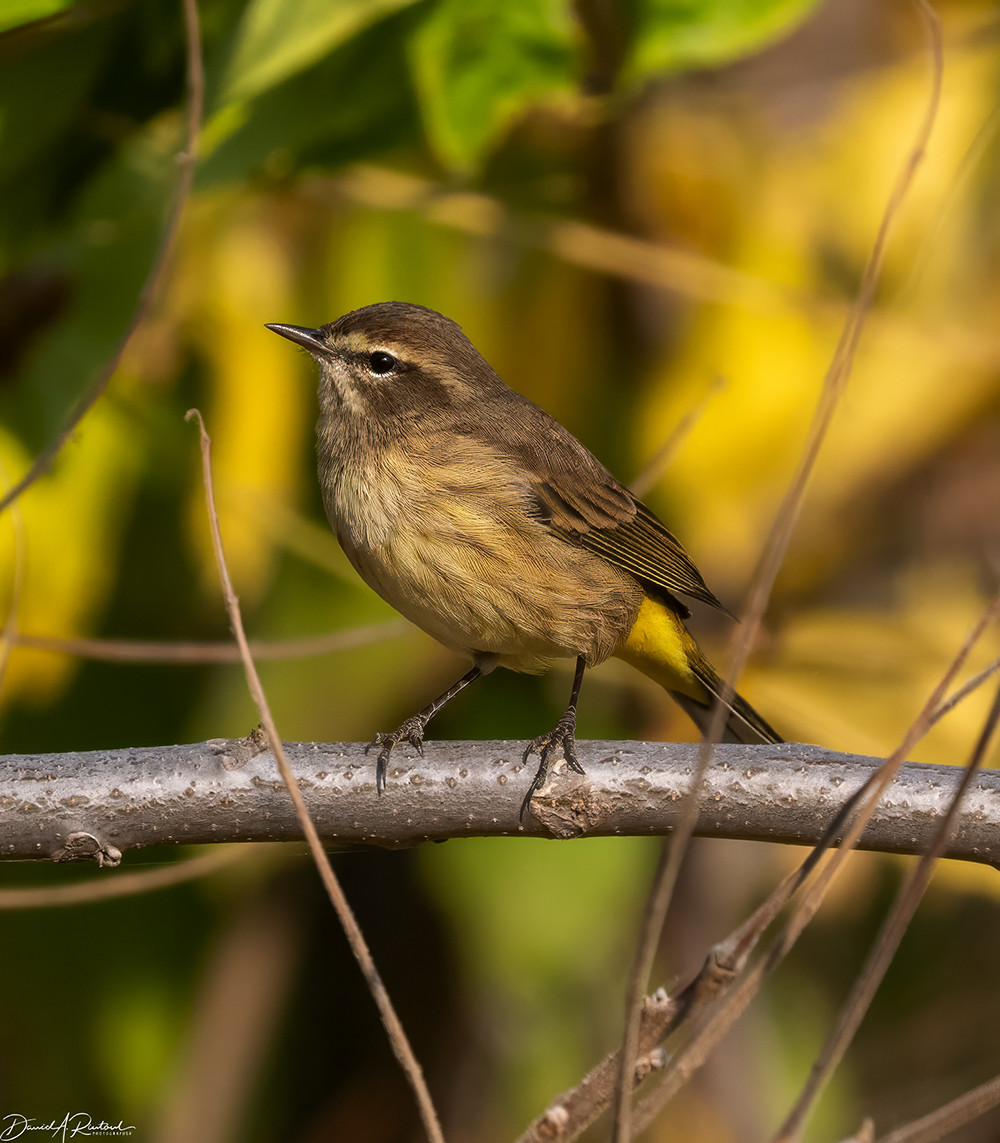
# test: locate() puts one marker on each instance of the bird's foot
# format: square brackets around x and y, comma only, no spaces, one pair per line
[411,731]
[562,734]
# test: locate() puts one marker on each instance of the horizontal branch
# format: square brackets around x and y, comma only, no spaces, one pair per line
[99,803]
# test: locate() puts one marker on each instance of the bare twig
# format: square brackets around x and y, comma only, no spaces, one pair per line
[838,373]
[767,570]
[184,654]
[977,148]
[8,636]
[582,1105]
[359,946]
[186,160]
[573,1111]
[125,884]
[654,915]
[865,804]
[965,690]
[578,243]
[657,463]
[884,949]
[722,968]
[950,1117]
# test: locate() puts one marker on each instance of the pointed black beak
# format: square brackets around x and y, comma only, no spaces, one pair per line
[311,339]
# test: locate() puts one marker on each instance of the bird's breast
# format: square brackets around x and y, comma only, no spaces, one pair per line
[452,546]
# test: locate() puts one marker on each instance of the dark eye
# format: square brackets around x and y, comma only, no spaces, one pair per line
[381,363]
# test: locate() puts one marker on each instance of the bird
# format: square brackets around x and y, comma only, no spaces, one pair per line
[485,522]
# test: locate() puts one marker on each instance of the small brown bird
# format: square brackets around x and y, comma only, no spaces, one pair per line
[489,525]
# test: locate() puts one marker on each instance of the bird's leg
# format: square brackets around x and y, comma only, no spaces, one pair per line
[562,734]
[412,730]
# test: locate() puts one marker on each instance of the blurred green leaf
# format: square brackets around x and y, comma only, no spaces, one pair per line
[278,38]
[356,101]
[42,90]
[105,248]
[140,1030]
[675,34]
[480,63]
[16,12]
[530,952]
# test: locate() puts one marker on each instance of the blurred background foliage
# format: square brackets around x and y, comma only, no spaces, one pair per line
[638,212]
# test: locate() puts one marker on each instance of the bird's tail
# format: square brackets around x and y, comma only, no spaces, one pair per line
[743,723]
[661,647]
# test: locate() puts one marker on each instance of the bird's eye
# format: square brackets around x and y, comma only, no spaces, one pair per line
[381,363]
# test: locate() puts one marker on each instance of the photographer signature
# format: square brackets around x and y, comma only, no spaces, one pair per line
[71,1126]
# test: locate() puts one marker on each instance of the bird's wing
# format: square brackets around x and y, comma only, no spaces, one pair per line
[582,502]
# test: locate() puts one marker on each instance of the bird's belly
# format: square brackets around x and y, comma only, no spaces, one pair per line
[485,585]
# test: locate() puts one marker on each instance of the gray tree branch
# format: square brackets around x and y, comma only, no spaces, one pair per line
[99,803]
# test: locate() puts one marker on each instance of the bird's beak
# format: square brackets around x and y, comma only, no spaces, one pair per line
[311,339]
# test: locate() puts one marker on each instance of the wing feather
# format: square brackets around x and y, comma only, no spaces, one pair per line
[584,504]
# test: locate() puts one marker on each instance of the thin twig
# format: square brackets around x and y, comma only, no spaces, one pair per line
[964,1109]
[884,949]
[9,636]
[768,567]
[124,884]
[181,653]
[593,248]
[654,468]
[767,571]
[359,946]
[929,243]
[718,1021]
[654,915]
[186,160]
[965,690]
[573,1111]
[839,371]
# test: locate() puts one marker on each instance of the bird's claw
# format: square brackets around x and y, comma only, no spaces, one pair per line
[562,734]
[411,731]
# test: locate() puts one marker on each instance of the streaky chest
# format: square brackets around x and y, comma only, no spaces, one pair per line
[367,491]
[380,491]
[409,513]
